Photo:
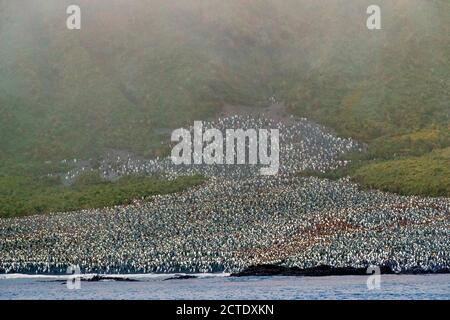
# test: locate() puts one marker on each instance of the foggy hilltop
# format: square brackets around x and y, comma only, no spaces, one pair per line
[136,66]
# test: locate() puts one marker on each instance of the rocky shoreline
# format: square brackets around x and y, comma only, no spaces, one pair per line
[269,270]
[324,270]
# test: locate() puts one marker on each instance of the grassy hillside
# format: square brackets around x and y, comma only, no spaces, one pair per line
[137,70]
[426,175]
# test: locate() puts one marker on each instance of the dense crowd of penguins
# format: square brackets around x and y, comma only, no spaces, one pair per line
[304,145]
[239,218]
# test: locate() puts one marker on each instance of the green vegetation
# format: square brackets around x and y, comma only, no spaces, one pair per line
[427,175]
[136,71]
[21,196]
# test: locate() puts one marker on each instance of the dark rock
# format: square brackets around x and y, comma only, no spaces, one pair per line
[179,277]
[103,278]
[319,271]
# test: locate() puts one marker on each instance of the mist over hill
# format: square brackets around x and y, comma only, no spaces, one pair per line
[139,68]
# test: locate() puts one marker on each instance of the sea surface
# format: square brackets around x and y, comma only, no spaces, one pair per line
[220,286]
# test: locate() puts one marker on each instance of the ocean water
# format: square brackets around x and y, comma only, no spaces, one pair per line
[214,286]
